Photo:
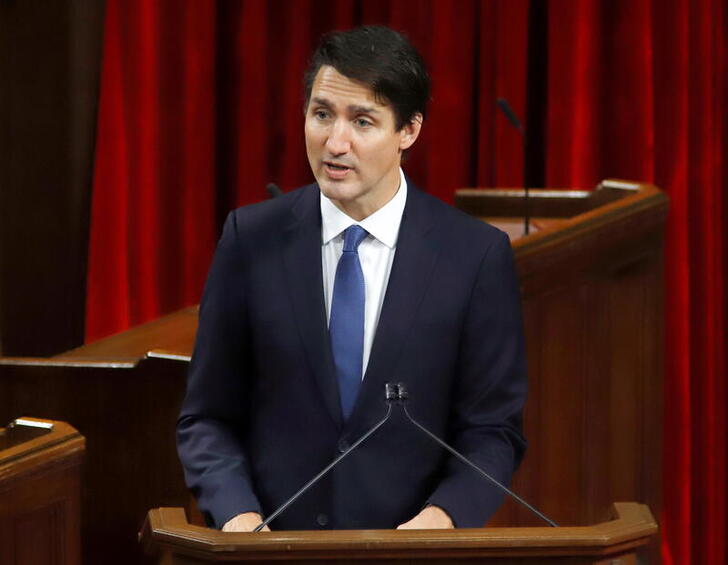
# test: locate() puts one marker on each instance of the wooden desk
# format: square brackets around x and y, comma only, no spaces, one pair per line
[40,493]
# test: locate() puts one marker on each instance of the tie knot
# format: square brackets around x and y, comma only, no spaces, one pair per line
[353,236]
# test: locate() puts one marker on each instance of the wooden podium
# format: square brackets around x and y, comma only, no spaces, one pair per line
[40,493]
[591,275]
[173,541]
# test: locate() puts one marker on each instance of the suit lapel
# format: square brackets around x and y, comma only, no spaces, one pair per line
[417,250]
[302,260]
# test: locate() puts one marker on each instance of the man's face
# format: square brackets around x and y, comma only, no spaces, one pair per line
[352,145]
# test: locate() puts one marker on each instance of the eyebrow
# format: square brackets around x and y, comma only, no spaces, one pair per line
[355,109]
[363,110]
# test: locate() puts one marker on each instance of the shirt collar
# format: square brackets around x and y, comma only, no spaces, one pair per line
[382,224]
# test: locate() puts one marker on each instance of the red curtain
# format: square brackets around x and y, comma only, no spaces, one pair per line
[152,222]
[201,106]
[637,90]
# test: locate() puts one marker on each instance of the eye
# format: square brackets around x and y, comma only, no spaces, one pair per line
[362,123]
[320,114]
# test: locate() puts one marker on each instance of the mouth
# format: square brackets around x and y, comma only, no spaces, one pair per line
[336,170]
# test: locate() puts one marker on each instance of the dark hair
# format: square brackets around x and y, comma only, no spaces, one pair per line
[380,58]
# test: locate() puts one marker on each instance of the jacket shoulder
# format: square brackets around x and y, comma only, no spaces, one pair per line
[460,226]
[269,216]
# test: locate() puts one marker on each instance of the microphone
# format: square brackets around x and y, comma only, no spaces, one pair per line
[509,113]
[273,190]
[512,118]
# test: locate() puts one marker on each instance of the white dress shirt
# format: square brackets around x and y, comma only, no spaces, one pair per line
[376,254]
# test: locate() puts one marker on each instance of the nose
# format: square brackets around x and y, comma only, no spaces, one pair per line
[339,139]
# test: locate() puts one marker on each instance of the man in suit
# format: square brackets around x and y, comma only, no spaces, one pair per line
[317,298]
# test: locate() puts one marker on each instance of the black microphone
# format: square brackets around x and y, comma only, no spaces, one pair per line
[273,190]
[399,393]
[509,114]
[326,469]
[512,118]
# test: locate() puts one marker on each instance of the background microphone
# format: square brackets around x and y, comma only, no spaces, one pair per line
[273,190]
[509,114]
[516,123]
[398,393]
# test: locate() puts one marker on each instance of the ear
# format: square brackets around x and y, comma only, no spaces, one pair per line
[409,132]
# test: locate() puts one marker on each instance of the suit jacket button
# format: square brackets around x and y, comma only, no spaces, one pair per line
[342,446]
[322,519]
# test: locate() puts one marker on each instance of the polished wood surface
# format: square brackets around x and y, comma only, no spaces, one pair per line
[174,333]
[168,535]
[546,202]
[40,493]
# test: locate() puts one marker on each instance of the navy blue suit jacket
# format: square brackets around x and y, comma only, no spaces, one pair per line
[262,415]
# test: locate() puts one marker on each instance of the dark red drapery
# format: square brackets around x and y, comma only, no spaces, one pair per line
[201,107]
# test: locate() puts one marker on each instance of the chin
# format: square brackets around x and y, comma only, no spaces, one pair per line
[336,190]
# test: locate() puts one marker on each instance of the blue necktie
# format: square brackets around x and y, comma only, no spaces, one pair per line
[346,324]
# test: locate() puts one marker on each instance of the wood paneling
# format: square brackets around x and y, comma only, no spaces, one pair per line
[592,290]
[40,492]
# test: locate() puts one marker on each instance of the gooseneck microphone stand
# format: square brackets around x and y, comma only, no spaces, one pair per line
[397,395]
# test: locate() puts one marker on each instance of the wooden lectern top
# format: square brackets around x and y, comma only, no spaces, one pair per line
[28,444]
[167,533]
[173,334]
[40,492]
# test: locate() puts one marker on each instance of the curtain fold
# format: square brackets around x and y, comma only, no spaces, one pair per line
[201,106]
